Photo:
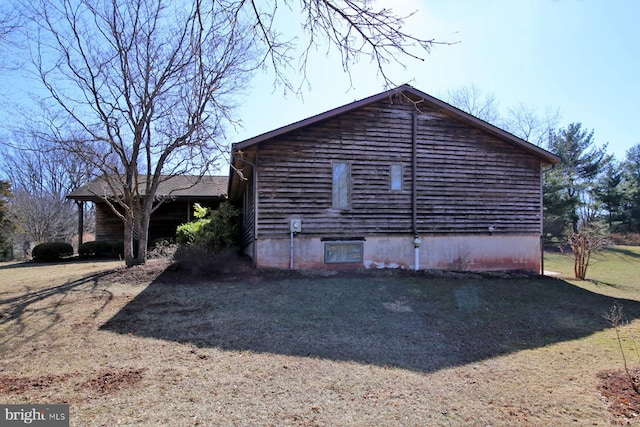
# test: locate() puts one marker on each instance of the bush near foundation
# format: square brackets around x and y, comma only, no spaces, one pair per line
[214,231]
[51,251]
[206,245]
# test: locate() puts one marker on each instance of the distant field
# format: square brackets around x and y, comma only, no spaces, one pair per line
[151,347]
[614,271]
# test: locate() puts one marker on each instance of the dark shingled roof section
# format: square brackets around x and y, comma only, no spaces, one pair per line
[183,187]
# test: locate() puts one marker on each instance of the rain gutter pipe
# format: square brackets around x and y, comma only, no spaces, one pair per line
[414,192]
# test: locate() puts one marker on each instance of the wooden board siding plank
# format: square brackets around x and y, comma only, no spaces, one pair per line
[466,181]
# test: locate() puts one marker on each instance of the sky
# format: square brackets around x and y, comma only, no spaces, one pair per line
[581,57]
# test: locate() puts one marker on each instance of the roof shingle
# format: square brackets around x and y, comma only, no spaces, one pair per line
[184,186]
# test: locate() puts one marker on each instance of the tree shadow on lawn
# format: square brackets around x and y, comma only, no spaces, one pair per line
[20,309]
[414,322]
[622,252]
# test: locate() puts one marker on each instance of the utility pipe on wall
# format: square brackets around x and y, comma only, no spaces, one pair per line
[291,252]
[414,192]
[295,226]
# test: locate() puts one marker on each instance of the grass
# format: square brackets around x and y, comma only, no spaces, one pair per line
[613,271]
[147,346]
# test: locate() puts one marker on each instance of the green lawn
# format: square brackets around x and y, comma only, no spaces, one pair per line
[614,271]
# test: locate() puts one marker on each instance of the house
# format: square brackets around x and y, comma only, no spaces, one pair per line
[398,179]
[180,194]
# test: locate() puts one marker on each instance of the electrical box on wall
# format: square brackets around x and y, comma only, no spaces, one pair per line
[296,226]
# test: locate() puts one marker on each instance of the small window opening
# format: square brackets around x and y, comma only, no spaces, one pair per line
[396,177]
[341,185]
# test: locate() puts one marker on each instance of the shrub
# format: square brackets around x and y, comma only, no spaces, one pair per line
[51,251]
[187,233]
[213,231]
[95,249]
[222,232]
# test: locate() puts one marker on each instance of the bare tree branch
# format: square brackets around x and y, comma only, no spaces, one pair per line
[472,100]
[140,90]
[355,28]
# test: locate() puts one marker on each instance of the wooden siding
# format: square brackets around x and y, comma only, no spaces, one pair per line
[108,226]
[248,215]
[467,180]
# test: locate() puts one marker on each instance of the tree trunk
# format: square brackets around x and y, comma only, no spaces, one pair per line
[143,236]
[129,237]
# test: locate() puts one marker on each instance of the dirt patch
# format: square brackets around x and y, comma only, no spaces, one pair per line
[20,385]
[104,382]
[110,380]
[139,274]
[623,401]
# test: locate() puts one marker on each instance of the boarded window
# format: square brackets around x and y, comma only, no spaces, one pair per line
[396,176]
[341,185]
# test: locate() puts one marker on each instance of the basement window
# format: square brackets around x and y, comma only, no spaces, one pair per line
[341,190]
[396,176]
[343,252]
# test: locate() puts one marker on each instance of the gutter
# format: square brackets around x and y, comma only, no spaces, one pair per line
[414,191]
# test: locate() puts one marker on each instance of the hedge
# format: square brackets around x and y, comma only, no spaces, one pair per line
[95,249]
[51,251]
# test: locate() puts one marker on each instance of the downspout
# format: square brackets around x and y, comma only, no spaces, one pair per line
[255,209]
[254,175]
[542,171]
[291,251]
[414,192]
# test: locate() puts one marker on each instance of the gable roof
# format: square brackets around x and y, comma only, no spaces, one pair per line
[416,95]
[179,187]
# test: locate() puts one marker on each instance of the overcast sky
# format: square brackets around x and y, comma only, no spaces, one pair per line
[579,56]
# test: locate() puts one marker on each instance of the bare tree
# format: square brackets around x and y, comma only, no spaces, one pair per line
[529,124]
[524,121]
[42,174]
[472,100]
[39,166]
[9,20]
[587,241]
[355,28]
[141,89]
[40,218]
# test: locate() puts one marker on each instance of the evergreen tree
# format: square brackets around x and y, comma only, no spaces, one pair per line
[609,192]
[631,209]
[569,187]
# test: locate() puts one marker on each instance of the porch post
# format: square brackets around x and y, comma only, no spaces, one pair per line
[80,221]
